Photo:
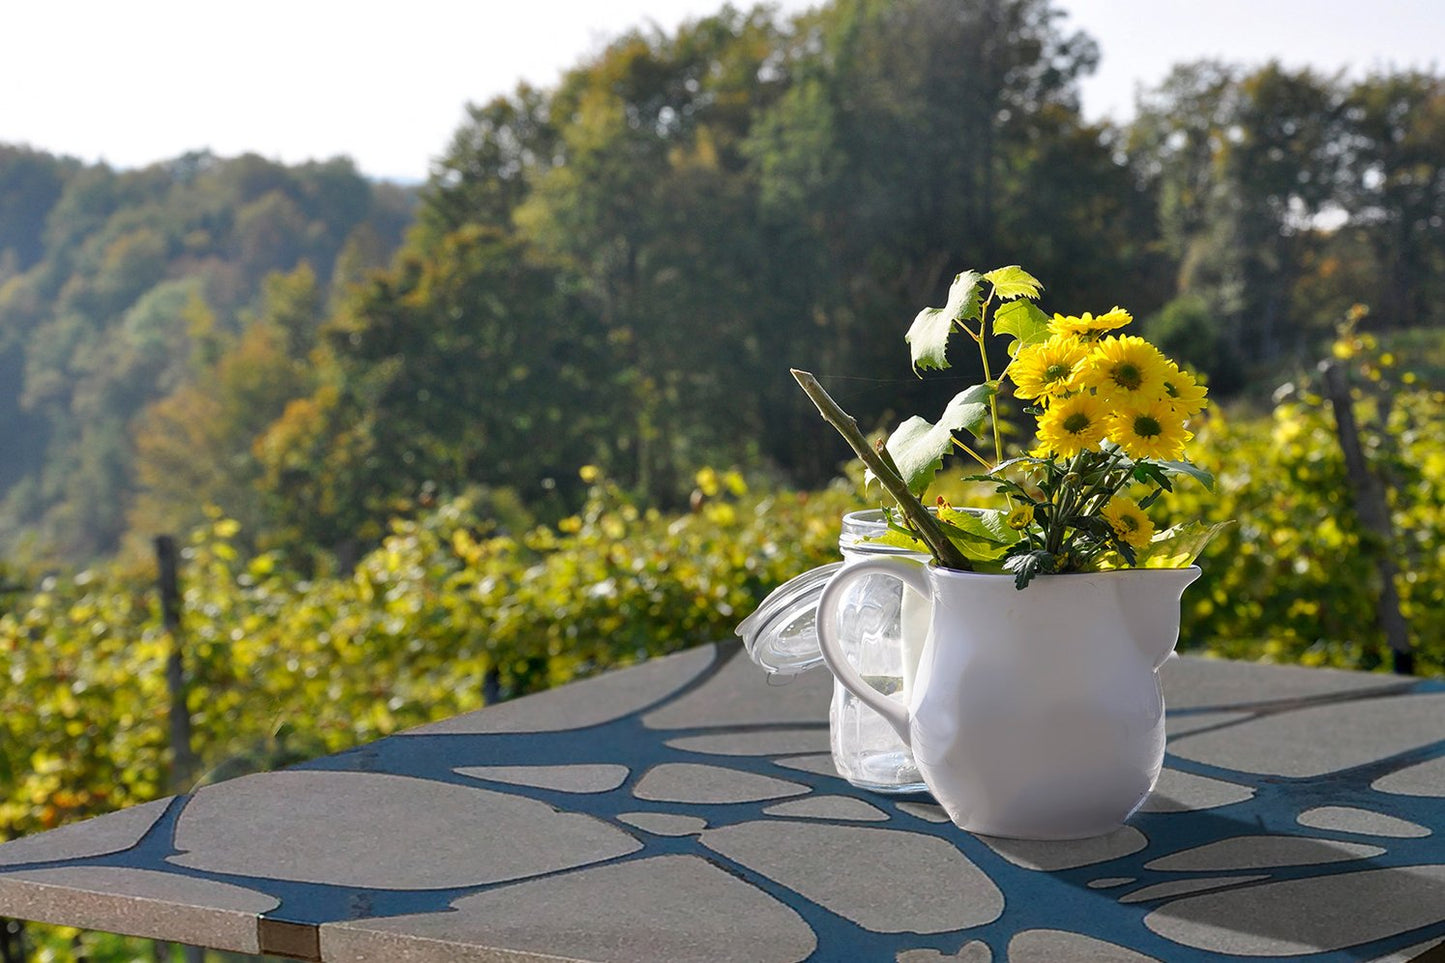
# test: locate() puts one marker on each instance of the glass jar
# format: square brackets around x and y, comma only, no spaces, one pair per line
[882,629]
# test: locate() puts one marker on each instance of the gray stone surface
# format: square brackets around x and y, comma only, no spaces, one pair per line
[1059,946]
[1109,882]
[1179,887]
[767,742]
[1051,855]
[138,902]
[820,764]
[1422,779]
[741,695]
[1266,920]
[859,872]
[1262,852]
[589,702]
[667,909]
[1288,743]
[579,778]
[1177,725]
[1178,792]
[1364,821]
[1195,682]
[974,951]
[665,824]
[376,830]
[110,833]
[694,783]
[828,807]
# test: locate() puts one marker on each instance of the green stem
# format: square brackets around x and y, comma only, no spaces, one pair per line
[975,455]
[939,544]
[988,376]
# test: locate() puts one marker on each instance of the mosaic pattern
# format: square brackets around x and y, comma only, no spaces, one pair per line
[687,810]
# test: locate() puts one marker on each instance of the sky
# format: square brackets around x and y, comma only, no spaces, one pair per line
[386,84]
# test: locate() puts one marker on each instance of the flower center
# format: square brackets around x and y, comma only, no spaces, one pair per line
[1128,376]
[1147,426]
[1057,372]
[1076,423]
[1130,522]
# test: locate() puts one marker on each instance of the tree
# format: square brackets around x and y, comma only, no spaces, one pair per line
[1396,190]
[195,447]
[472,367]
[1243,164]
[906,137]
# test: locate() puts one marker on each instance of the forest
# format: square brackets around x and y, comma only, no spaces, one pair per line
[429,447]
[619,270]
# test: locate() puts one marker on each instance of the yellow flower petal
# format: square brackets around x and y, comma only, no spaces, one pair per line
[1128,521]
[1155,430]
[1070,425]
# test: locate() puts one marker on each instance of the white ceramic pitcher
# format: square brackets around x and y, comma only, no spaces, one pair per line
[1038,713]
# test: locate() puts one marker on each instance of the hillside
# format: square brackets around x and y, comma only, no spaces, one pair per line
[124,295]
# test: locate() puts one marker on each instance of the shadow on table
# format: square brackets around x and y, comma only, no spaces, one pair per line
[1224,884]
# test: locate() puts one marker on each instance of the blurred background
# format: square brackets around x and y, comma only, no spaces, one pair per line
[451,343]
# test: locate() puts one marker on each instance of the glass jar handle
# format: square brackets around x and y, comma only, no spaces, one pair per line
[914,575]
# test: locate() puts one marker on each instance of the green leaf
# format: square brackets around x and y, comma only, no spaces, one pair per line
[964,297]
[1193,471]
[1026,566]
[988,524]
[928,335]
[1148,471]
[1178,546]
[1013,282]
[894,537]
[918,447]
[1022,321]
[928,339]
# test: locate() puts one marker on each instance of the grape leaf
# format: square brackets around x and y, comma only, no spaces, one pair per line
[991,525]
[918,447]
[1178,546]
[1013,282]
[928,335]
[1022,321]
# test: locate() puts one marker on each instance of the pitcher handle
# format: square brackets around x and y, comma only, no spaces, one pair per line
[914,576]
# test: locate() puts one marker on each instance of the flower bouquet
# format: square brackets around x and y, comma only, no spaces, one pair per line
[1111,423]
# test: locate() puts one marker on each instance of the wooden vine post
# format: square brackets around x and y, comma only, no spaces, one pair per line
[1374,513]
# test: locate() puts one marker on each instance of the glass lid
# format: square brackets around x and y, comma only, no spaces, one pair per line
[782,635]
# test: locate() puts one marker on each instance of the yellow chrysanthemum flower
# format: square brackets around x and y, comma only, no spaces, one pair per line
[1183,392]
[1087,326]
[1128,521]
[1046,369]
[1127,372]
[1021,517]
[1072,424]
[1155,430]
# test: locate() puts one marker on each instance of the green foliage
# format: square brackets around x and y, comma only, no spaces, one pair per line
[98,295]
[1187,328]
[1294,579]
[280,668]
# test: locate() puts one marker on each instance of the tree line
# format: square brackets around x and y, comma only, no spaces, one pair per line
[619,269]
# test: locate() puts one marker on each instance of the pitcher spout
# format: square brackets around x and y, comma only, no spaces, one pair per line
[1151,609]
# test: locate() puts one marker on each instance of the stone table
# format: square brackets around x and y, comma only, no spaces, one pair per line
[686,809]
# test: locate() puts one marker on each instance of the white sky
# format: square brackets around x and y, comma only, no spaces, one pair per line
[138,81]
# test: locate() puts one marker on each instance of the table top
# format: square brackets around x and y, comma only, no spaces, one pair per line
[686,809]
